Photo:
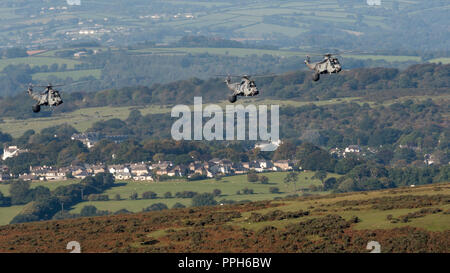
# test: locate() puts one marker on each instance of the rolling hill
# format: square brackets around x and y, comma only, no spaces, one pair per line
[411,220]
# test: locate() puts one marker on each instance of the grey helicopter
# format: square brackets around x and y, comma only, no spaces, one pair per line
[328,65]
[246,87]
[50,97]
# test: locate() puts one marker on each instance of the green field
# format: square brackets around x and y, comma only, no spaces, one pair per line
[75,75]
[440,60]
[33,61]
[8,213]
[228,185]
[331,223]
[83,119]
[4,188]
[370,218]
[242,52]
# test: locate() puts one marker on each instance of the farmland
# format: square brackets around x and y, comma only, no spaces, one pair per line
[228,186]
[407,220]
[38,61]
[84,118]
[75,75]
[80,119]
[242,52]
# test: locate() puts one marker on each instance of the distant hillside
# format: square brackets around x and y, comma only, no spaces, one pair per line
[404,220]
[376,84]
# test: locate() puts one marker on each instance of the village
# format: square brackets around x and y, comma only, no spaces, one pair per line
[165,170]
[151,171]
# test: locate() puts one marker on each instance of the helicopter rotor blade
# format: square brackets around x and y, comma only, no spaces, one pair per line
[76,83]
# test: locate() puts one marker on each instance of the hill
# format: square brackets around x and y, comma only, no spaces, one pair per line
[401,220]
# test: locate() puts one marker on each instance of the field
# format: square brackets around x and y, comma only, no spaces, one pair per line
[242,52]
[81,119]
[75,75]
[84,118]
[402,220]
[8,213]
[33,61]
[440,60]
[228,185]
[4,188]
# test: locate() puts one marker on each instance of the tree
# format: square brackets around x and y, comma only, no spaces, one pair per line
[149,195]
[20,192]
[134,116]
[203,199]
[4,201]
[15,52]
[88,211]
[321,175]
[217,192]
[40,192]
[263,179]
[329,183]
[168,195]
[252,177]
[292,177]
[156,207]
[134,196]
[178,206]
[274,190]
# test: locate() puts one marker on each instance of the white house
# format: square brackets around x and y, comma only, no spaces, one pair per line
[353,149]
[11,151]
[122,175]
[139,169]
[119,168]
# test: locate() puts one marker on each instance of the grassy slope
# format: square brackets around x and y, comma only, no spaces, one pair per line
[83,119]
[8,213]
[75,75]
[33,61]
[172,231]
[228,185]
[4,188]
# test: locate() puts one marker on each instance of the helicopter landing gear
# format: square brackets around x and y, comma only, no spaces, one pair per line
[232,99]
[36,108]
[316,77]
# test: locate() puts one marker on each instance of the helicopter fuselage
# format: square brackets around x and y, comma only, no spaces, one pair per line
[245,88]
[326,66]
[49,97]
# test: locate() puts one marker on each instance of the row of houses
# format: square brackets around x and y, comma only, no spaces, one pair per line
[351,149]
[147,171]
[212,168]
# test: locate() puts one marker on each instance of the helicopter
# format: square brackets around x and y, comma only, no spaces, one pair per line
[50,97]
[328,65]
[246,87]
